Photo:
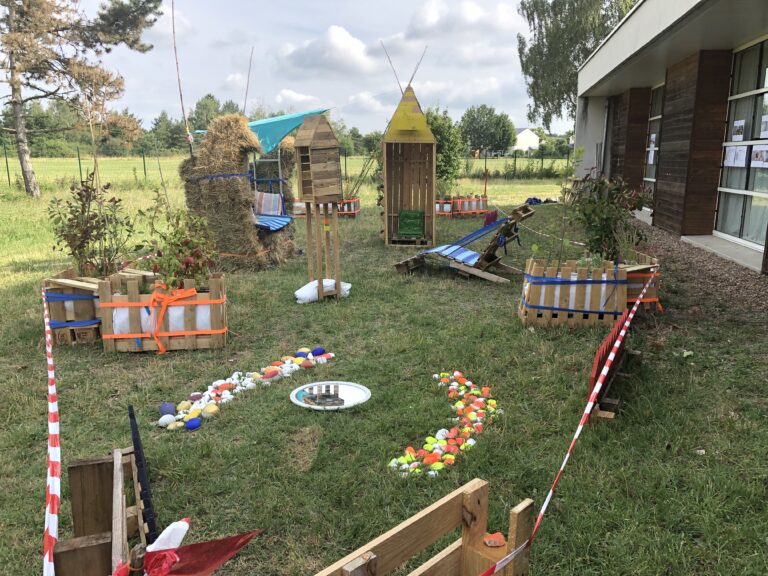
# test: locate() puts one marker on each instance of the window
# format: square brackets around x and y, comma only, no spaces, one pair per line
[742,210]
[654,138]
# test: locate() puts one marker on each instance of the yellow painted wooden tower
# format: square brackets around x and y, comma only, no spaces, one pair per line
[409,150]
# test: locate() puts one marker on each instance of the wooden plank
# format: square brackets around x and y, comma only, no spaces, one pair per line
[447,562]
[387,177]
[479,273]
[190,317]
[327,244]
[520,528]
[70,283]
[119,528]
[364,565]
[549,295]
[336,248]
[84,556]
[580,302]
[319,251]
[90,495]
[594,296]
[218,317]
[564,297]
[475,512]
[134,318]
[310,243]
[410,537]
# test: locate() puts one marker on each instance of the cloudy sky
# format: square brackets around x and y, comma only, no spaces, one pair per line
[310,53]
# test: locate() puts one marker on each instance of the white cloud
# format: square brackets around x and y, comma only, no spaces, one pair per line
[162,31]
[363,102]
[479,54]
[438,18]
[459,93]
[289,97]
[336,52]
[235,81]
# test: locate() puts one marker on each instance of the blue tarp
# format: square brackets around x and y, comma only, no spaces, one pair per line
[271,131]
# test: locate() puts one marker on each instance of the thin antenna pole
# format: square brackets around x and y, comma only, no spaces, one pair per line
[418,64]
[248,81]
[392,66]
[178,76]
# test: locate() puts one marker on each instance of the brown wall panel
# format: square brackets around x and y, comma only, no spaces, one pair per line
[629,132]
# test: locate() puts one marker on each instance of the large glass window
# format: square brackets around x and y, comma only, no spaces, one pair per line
[742,210]
[654,138]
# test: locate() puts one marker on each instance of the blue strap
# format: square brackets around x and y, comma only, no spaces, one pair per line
[75,323]
[544,281]
[556,309]
[60,297]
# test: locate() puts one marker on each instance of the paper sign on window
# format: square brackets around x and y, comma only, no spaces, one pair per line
[738,131]
[759,157]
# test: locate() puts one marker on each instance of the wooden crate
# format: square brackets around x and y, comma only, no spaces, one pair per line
[638,274]
[572,294]
[74,301]
[349,208]
[465,508]
[106,514]
[145,338]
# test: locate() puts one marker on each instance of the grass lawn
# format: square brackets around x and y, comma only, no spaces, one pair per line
[636,497]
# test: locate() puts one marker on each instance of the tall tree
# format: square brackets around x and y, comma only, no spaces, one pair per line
[450,147]
[52,49]
[205,110]
[485,129]
[372,141]
[563,33]
[230,107]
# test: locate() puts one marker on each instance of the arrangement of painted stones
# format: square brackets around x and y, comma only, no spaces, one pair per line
[474,408]
[190,413]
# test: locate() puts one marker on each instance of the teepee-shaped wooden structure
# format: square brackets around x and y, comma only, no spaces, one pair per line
[409,176]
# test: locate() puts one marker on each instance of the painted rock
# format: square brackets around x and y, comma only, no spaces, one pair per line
[276,363]
[319,351]
[210,411]
[192,415]
[167,408]
[195,396]
[185,405]
[301,354]
[175,425]
[271,372]
[304,349]
[193,424]
[298,360]
[165,420]
[307,364]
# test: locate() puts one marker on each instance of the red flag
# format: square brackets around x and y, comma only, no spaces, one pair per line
[199,559]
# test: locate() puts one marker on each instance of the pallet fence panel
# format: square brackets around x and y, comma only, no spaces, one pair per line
[581,296]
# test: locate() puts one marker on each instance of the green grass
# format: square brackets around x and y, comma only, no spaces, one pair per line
[636,498]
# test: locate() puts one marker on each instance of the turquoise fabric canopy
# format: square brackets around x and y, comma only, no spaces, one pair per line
[271,131]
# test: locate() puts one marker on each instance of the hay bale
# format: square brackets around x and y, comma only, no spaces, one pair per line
[288,165]
[227,202]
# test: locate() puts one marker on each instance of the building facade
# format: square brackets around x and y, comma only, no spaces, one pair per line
[527,140]
[675,99]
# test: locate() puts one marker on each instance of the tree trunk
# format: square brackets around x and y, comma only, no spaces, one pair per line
[19,122]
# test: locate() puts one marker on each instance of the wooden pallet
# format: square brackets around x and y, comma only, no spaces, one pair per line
[107,514]
[637,275]
[465,508]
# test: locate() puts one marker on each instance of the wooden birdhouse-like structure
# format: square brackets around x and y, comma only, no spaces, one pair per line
[409,150]
[320,188]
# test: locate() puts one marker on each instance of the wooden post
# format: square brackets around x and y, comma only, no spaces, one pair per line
[336,257]
[134,319]
[364,565]
[190,317]
[310,247]
[119,528]
[520,527]
[475,522]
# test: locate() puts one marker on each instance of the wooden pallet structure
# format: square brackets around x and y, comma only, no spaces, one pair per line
[647,267]
[409,152]
[486,264]
[319,177]
[465,508]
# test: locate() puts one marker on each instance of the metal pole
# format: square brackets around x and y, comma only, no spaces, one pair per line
[144,161]
[79,164]
[7,167]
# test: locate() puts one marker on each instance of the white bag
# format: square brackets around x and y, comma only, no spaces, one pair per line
[308,292]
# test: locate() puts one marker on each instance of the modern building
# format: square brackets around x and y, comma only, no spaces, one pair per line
[676,99]
[527,140]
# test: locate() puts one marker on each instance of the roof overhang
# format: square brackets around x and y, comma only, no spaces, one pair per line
[659,33]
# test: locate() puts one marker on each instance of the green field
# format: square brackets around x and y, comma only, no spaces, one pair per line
[636,498]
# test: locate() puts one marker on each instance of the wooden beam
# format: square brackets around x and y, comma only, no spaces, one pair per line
[479,273]
[475,519]
[447,562]
[364,565]
[83,556]
[520,527]
[119,528]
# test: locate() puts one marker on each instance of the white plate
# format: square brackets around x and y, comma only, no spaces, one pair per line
[352,394]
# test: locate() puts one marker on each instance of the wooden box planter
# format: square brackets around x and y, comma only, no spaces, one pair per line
[189,320]
[349,208]
[638,274]
[572,294]
[73,301]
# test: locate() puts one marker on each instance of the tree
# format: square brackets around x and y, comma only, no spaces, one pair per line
[450,147]
[372,141]
[205,110]
[484,129]
[357,140]
[563,34]
[52,50]
[230,107]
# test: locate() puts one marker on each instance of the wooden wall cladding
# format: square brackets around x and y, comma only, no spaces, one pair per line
[692,128]
[629,132]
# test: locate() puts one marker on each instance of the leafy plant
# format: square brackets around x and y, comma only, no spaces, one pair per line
[180,246]
[604,209]
[92,227]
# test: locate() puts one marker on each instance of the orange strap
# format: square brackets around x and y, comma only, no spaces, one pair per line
[148,304]
[165,334]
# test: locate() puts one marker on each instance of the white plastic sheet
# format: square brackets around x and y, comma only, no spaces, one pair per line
[308,292]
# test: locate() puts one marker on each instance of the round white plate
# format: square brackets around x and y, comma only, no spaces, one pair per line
[352,394]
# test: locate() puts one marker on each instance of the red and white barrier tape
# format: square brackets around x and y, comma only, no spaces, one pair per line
[584,419]
[53,479]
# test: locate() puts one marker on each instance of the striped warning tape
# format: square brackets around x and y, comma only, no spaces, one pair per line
[584,419]
[53,479]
